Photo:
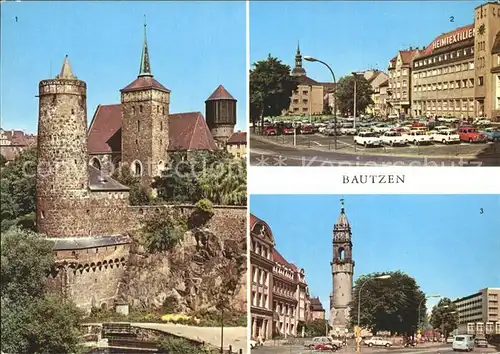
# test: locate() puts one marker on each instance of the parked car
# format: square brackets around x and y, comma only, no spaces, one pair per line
[325,348]
[330,130]
[377,341]
[463,342]
[446,136]
[288,130]
[418,137]
[481,342]
[270,130]
[392,138]
[471,135]
[367,139]
[449,340]
[311,344]
[306,129]
[493,134]
[381,128]
[482,121]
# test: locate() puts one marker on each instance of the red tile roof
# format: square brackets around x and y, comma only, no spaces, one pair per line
[408,55]
[429,49]
[144,82]
[237,138]
[107,121]
[19,138]
[187,131]
[220,93]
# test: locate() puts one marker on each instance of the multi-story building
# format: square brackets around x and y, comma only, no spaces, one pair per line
[479,313]
[458,73]
[280,303]
[12,142]
[237,144]
[311,97]
[317,310]
[383,98]
[375,78]
[400,81]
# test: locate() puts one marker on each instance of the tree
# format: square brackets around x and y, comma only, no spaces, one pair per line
[214,175]
[345,94]
[32,321]
[317,328]
[387,304]
[138,195]
[271,87]
[225,183]
[3,160]
[444,316]
[18,187]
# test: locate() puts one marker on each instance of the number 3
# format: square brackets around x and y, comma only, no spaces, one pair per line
[481,211]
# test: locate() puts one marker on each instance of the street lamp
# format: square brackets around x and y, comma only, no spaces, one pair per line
[311,59]
[387,276]
[423,299]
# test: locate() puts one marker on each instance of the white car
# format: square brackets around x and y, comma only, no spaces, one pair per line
[446,136]
[381,128]
[348,131]
[393,138]
[377,341]
[418,137]
[482,121]
[367,139]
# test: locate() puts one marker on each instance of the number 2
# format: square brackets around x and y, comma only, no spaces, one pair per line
[452,19]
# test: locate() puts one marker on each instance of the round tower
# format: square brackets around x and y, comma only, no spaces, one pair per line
[62,175]
[220,115]
[342,272]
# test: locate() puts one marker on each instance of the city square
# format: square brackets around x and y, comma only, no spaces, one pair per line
[437,101]
[290,287]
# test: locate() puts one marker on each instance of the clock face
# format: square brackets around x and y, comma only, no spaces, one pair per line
[482,29]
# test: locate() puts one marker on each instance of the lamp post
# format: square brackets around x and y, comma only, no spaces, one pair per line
[420,304]
[311,59]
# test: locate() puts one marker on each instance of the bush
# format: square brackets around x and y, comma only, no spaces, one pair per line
[164,230]
[180,345]
[205,205]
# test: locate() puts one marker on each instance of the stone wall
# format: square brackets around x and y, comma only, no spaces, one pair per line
[97,276]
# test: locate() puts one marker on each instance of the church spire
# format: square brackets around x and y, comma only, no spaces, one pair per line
[342,206]
[66,72]
[298,70]
[145,69]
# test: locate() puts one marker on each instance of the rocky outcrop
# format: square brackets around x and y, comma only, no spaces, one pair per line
[203,272]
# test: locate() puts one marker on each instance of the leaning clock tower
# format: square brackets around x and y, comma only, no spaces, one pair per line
[342,273]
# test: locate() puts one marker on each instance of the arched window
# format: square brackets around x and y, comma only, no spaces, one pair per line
[161,166]
[96,163]
[341,254]
[137,168]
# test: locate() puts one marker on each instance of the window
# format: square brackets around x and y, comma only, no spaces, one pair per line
[42,215]
[440,58]
[471,65]
[140,108]
[133,109]
[157,109]
[161,125]
[162,110]
[404,83]
[480,81]
[96,163]
[446,57]
[137,168]
[72,111]
[138,125]
[458,53]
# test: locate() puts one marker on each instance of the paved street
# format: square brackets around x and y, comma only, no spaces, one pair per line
[439,349]
[267,152]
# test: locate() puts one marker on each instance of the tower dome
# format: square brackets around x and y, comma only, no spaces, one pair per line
[62,175]
[220,114]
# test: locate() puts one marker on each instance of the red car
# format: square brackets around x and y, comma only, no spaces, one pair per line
[471,135]
[288,130]
[325,347]
[270,130]
[306,129]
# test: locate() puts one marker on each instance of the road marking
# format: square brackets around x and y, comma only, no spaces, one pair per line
[316,143]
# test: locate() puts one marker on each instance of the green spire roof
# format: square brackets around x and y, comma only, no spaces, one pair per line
[145,69]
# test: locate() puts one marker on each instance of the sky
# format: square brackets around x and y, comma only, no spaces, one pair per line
[444,242]
[193,47]
[350,35]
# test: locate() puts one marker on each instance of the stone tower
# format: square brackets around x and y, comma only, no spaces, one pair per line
[298,70]
[342,273]
[62,177]
[486,29]
[220,114]
[145,110]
